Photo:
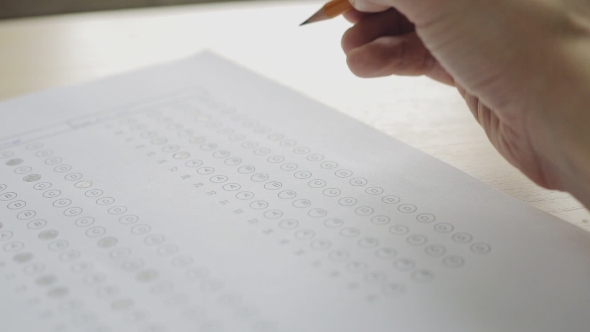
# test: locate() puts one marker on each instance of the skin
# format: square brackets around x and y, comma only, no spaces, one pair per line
[522,66]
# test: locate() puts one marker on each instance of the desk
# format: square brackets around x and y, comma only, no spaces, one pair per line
[40,53]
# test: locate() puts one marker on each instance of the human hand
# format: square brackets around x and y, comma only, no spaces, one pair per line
[523,67]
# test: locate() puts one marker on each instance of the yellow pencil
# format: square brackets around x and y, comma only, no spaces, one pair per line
[330,10]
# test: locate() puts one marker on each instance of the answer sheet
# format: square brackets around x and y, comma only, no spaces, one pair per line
[197,196]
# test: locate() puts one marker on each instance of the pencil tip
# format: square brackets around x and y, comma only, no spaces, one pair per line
[318,16]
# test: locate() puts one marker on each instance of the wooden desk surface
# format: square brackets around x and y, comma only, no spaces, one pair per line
[46,52]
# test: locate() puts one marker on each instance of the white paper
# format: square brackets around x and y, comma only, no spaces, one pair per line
[197,196]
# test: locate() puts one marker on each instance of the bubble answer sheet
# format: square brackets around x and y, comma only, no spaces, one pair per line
[197,196]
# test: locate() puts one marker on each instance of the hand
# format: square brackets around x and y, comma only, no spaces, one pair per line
[523,67]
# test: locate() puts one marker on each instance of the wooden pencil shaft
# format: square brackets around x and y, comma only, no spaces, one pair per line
[336,7]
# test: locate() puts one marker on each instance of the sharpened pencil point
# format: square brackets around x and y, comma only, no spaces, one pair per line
[319,16]
[329,10]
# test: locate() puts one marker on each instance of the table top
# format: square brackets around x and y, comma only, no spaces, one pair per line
[40,53]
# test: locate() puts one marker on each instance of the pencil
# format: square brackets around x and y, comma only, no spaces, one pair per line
[330,10]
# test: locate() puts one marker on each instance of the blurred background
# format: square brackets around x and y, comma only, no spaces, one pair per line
[25,8]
